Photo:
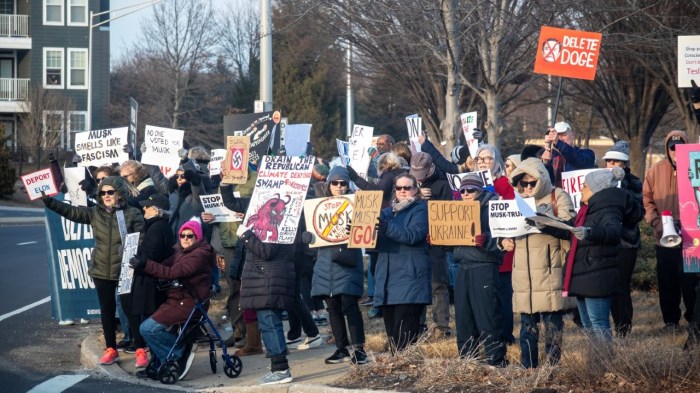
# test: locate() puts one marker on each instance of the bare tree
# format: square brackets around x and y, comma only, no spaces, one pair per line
[43,123]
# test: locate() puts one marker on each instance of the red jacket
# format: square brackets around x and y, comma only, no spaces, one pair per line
[505,191]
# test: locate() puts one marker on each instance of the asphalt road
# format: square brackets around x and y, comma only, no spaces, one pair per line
[36,354]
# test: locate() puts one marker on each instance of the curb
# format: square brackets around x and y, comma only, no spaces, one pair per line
[22,221]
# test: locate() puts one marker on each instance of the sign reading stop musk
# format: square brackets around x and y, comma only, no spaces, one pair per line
[567,53]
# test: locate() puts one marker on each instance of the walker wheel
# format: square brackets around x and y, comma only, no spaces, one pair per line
[169,373]
[212,361]
[233,366]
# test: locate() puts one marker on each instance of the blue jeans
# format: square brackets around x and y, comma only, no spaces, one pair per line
[215,277]
[123,320]
[530,334]
[595,316]
[370,276]
[159,339]
[272,331]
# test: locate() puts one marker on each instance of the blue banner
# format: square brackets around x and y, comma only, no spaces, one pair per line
[70,247]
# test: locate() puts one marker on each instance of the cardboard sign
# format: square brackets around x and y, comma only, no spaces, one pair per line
[360,142]
[37,182]
[453,223]
[567,53]
[278,198]
[327,218]
[102,147]
[506,220]
[297,136]
[162,146]
[414,123]
[235,166]
[468,125]
[688,162]
[688,60]
[214,204]
[73,177]
[126,277]
[217,155]
[572,183]
[365,216]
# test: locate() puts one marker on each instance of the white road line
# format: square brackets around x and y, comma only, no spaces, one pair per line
[58,384]
[25,243]
[25,308]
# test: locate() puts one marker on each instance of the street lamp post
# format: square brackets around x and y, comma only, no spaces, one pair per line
[131,9]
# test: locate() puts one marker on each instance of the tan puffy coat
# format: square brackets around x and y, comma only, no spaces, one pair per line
[538,265]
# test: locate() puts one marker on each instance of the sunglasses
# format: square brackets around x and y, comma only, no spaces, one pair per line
[467,190]
[179,176]
[108,192]
[525,184]
[187,236]
[404,188]
[672,148]
[610,160]
[339,183]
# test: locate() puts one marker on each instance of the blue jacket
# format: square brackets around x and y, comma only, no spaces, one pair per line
[332,279]
[439,160]
[403,268]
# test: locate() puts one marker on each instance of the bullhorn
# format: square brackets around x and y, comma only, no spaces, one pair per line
[670,237]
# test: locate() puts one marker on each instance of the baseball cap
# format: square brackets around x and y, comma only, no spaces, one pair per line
[158,200]
[562,127]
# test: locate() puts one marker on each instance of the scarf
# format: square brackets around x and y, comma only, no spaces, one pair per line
[397,206]
[578,221]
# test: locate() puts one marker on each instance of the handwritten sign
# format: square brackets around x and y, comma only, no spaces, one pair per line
[102,147]
[327,218]
[567,53]
[572,183]
[365,216]
[126,277]
[453,223]
[468,125]
[162,145]
[486,177]
[360,142]
[37,182]
[506,220]
[214,204]
[414,123]
[278,198]
[235,166]
[73,177]
[216,156]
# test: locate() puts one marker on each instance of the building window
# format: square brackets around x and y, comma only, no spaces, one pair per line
[53,68]
[77,122]
[54,127]
[77,68]
[77,13]
[53,12]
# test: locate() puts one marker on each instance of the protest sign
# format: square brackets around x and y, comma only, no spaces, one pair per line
[69,248]
[567,53]
[327,218]
[360,142]
[278,198]
[102,147]
[37,182]
[258,127]
[486,177]
[688,161]
[73,177]
[297,136]
[214,204]
[453,223]
[506,220]
[572,182]
[414,123]
[235,167]
[468,125]
[216,156]
[133,122]
[455,180]
[365,217]
[162,146]
[126,277]
[688,60]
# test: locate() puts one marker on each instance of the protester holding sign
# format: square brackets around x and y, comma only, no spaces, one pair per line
[402,279]
[185,190]
[137,177]
[459,156]
[561,155]
[111,220]
[478,317]
[538,266]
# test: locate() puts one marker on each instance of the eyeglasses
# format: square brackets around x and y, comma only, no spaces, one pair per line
[179,176]
[467,190]
[485,160]
[108,192]
[339,183]
[187,236]
[526,184]
[404,188]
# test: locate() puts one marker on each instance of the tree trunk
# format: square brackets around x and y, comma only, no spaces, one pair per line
[448,126]
[493,119]
[637,156]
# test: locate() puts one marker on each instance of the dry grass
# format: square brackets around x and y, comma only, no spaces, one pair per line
[645,361]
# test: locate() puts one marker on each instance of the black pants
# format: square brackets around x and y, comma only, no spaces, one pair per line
[233,299]
[106,291]
[134,320]
[621,305]
[401,322]
[341,308]
[299,314]
[477,312]
[674,285]
[694,328]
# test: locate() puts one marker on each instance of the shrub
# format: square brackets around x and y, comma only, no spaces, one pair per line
[8,177]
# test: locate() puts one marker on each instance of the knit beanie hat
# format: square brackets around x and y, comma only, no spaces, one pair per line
[320,172]
[338,172]
[620,152]
[604,178]
[515,159]
[193,225]
[472,180]
[459,155]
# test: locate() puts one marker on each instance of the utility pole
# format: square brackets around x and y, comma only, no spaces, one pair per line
[266,54]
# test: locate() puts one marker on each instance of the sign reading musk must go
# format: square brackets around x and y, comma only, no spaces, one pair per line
[568,53]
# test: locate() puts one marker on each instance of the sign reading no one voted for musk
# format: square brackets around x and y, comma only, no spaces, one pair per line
[162,145]
[37,182]
[453,223]
[102,147]
[365,216]
[567,53]
[326,219]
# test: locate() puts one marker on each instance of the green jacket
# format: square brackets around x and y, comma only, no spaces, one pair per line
[106,256]
[227,230]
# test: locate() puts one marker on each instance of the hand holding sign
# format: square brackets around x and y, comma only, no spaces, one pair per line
[39,183]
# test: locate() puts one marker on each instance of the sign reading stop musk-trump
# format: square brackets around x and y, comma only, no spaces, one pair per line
[567,53]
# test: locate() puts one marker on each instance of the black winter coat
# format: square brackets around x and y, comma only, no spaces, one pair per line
[157,246]
[631,236]
[439,191]
[472,256]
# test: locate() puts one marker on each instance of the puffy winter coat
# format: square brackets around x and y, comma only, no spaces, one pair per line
[489,253]
[331,278]
[157,246]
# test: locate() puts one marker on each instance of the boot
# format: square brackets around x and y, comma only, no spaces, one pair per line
[253,345]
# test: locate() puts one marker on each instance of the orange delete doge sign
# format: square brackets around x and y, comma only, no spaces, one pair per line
[567,53]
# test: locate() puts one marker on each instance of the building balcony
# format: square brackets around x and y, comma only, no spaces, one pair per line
[14,93]
[14,32]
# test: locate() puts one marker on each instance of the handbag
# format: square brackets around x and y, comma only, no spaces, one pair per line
[344,256]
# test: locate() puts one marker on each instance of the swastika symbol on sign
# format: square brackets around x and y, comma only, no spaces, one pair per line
[237,159]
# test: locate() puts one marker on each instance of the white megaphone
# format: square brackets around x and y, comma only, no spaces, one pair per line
[670,237]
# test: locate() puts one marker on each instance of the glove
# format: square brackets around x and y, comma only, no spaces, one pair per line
[352,174]
[128,149]
[694,93]
[381,226]
[581,233]
[193,177]
[76,159]
[480,240]
[348,226]
[51,157]
[307,237]
[242,229]
[531,223]
[478,134]
[87,185]
[138,262]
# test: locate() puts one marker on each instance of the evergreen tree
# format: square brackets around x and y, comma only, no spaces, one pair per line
[8,177]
